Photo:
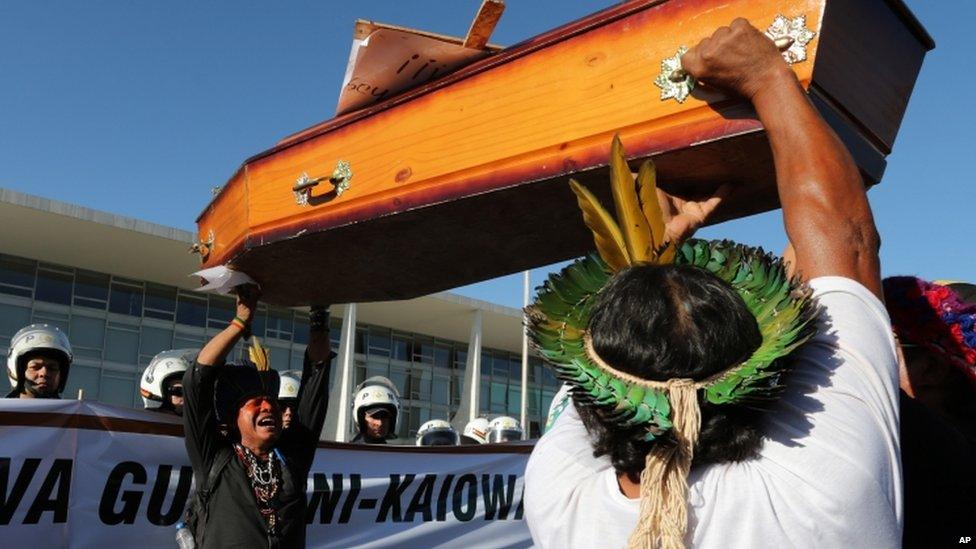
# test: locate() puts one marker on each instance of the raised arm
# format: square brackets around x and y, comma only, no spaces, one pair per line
[301,438]
[825,208]
[214,353]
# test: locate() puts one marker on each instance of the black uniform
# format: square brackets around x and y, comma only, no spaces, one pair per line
[940,488]
[233,516]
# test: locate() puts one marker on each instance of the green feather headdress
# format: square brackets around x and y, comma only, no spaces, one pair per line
[560,314]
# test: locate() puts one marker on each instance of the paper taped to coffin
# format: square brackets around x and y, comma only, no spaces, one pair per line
[465,178]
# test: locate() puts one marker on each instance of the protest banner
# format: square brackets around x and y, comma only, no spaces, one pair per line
[83,474]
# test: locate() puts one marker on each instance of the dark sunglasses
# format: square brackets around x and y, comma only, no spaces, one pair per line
[176,391]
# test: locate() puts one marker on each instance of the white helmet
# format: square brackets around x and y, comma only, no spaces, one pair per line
[291,381]
[477,430]
[42,339]
[376,392]
[163,366]
[504,429]
[437,432]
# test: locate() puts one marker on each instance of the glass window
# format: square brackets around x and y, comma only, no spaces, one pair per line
[547,397]
[91,290]
[121,345]
[379,342]
[401,347]
[301,329]
[399,378]
[280,324]
[120,391]
[498,394]
[484,390]
[457,388]
[360,375]
[424,385]
[499,366]
[514,400]
[160,301]
[191,310]
[54,285]
[423,350]
[87,336]
[82,377]
[460,359]
[155,340]
[442,356]
[54,319]
[259,323]
[12,319]
[377,368]
[279,357]
[441,390]
[515,367]
[17,275]
[222,310]
[414,421]
[297,359]
[125,298]
[187,341]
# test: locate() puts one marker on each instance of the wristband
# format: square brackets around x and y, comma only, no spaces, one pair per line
[239,324]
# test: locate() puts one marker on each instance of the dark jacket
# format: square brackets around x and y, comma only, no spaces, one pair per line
[940,487]
[234,519]
[16,394]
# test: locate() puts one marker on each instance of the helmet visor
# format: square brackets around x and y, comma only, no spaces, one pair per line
[504,435]
[439,437]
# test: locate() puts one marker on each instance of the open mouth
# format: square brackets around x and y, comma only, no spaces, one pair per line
[267,422]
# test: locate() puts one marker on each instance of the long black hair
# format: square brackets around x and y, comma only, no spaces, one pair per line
[673,321]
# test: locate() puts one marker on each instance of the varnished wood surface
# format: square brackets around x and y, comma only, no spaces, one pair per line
[505,134]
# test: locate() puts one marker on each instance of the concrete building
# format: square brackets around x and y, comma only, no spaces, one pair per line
[120,289]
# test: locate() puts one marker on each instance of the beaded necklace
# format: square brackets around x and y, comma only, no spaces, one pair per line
[265,478]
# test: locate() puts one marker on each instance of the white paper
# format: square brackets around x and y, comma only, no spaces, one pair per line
[222,279]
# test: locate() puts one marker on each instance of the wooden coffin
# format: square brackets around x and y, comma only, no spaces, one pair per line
[464,179]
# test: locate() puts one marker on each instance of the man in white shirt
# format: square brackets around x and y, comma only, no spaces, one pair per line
[821,467]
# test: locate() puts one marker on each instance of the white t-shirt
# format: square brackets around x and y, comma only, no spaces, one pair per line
[829,474]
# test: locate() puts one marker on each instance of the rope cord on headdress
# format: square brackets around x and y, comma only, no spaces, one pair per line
[663,515]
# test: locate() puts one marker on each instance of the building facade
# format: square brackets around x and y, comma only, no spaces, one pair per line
[119,288]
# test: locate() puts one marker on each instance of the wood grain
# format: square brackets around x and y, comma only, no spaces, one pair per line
[464,179]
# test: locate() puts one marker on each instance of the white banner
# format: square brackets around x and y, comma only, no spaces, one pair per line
[83,474]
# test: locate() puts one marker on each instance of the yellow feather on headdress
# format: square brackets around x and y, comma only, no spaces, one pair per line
[259,355]
[640,235]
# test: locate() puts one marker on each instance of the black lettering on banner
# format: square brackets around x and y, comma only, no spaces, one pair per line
[520,509]
[130,499]
[9,502]
[325,497]
[354,485]
[161,487]
[469,511]
[442,498]
[58,478]
[420,503]
[497,499]
[391,500]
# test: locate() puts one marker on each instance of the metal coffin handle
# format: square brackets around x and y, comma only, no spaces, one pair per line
[340,180]
[790,35]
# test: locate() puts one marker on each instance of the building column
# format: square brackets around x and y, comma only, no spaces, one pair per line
[471,391]
[337,420]
[523,405]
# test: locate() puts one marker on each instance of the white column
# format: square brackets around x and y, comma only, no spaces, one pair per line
[337,418]
[525,358]
[471,391]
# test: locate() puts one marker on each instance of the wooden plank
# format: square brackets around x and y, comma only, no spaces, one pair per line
[484,24]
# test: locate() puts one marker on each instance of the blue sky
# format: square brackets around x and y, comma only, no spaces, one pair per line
[139,108]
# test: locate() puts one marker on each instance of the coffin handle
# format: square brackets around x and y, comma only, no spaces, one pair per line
[790,35]
[339,179]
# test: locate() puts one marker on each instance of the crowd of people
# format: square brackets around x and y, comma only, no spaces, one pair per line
[865,433]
